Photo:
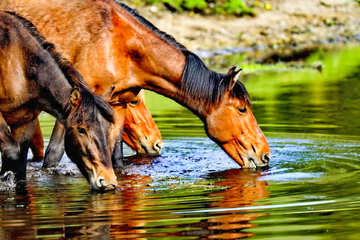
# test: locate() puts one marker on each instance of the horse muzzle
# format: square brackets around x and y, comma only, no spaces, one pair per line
[255,161]
[150,148]
[251,157]
[101,184]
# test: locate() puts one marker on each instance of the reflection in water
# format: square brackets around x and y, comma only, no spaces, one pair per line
[243,189]
[194,191]
[135,210]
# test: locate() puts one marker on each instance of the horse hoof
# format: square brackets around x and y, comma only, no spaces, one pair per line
[7,181]
[36,159]
[48,165]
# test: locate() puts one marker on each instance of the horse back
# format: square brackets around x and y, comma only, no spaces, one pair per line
[15,89]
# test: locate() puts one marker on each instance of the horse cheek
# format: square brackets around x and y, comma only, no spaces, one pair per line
[217,127]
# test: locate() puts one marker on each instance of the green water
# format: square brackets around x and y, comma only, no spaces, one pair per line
[194,191]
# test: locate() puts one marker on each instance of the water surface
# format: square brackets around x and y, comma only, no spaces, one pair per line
[194,191]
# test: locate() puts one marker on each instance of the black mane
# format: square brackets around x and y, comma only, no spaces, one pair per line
[71,74]
[197,80]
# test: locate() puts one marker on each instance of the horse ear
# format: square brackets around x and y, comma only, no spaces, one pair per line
[233,75]
[108,94]
[75,97]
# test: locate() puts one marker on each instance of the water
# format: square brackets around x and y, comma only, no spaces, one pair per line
[194,191]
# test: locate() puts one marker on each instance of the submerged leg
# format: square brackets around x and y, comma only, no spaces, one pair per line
[117,154]
[14,147]
[117,157]
[23,135]
[10,153]
[37,144]
[56,148]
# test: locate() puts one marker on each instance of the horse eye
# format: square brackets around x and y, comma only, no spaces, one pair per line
[134,103]
[82,131]
[242,110]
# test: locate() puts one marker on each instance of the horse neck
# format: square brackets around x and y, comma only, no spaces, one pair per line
[161,64]
[54,90]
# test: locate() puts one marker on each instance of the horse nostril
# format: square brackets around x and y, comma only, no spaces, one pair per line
[265,158]
[158,146]
[101,182]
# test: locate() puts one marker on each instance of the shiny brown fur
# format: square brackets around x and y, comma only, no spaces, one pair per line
[140,131]
[35,78]
[112,45]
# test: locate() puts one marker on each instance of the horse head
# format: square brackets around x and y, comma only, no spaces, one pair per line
[140,130]
[88,129]
[232,125]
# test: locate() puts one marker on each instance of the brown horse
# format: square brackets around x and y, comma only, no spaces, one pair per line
[35,78]
[112,45]
[140,132]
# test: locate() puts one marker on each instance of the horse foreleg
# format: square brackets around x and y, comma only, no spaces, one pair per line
[55,149]
[117,156]
[10,153]
[23,134]
[37,144]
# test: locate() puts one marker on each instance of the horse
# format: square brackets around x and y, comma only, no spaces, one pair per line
[112,45]
[35,78]
[140,133]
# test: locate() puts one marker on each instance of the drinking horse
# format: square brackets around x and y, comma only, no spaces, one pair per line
[140,133]
[35,78]
[112,45]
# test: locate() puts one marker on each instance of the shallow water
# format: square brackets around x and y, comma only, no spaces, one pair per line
[194,191]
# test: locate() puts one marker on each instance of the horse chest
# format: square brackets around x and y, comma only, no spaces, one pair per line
[18,111]
[20,116]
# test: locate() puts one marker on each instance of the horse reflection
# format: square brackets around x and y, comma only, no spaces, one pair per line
[243,189]
[246,189]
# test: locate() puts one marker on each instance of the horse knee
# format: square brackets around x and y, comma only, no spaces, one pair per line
[10,157]
[10,153]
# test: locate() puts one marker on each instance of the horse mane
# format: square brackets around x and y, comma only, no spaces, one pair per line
[71,74]
[198,80]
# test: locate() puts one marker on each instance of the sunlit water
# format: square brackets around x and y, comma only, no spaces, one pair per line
[195,191]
